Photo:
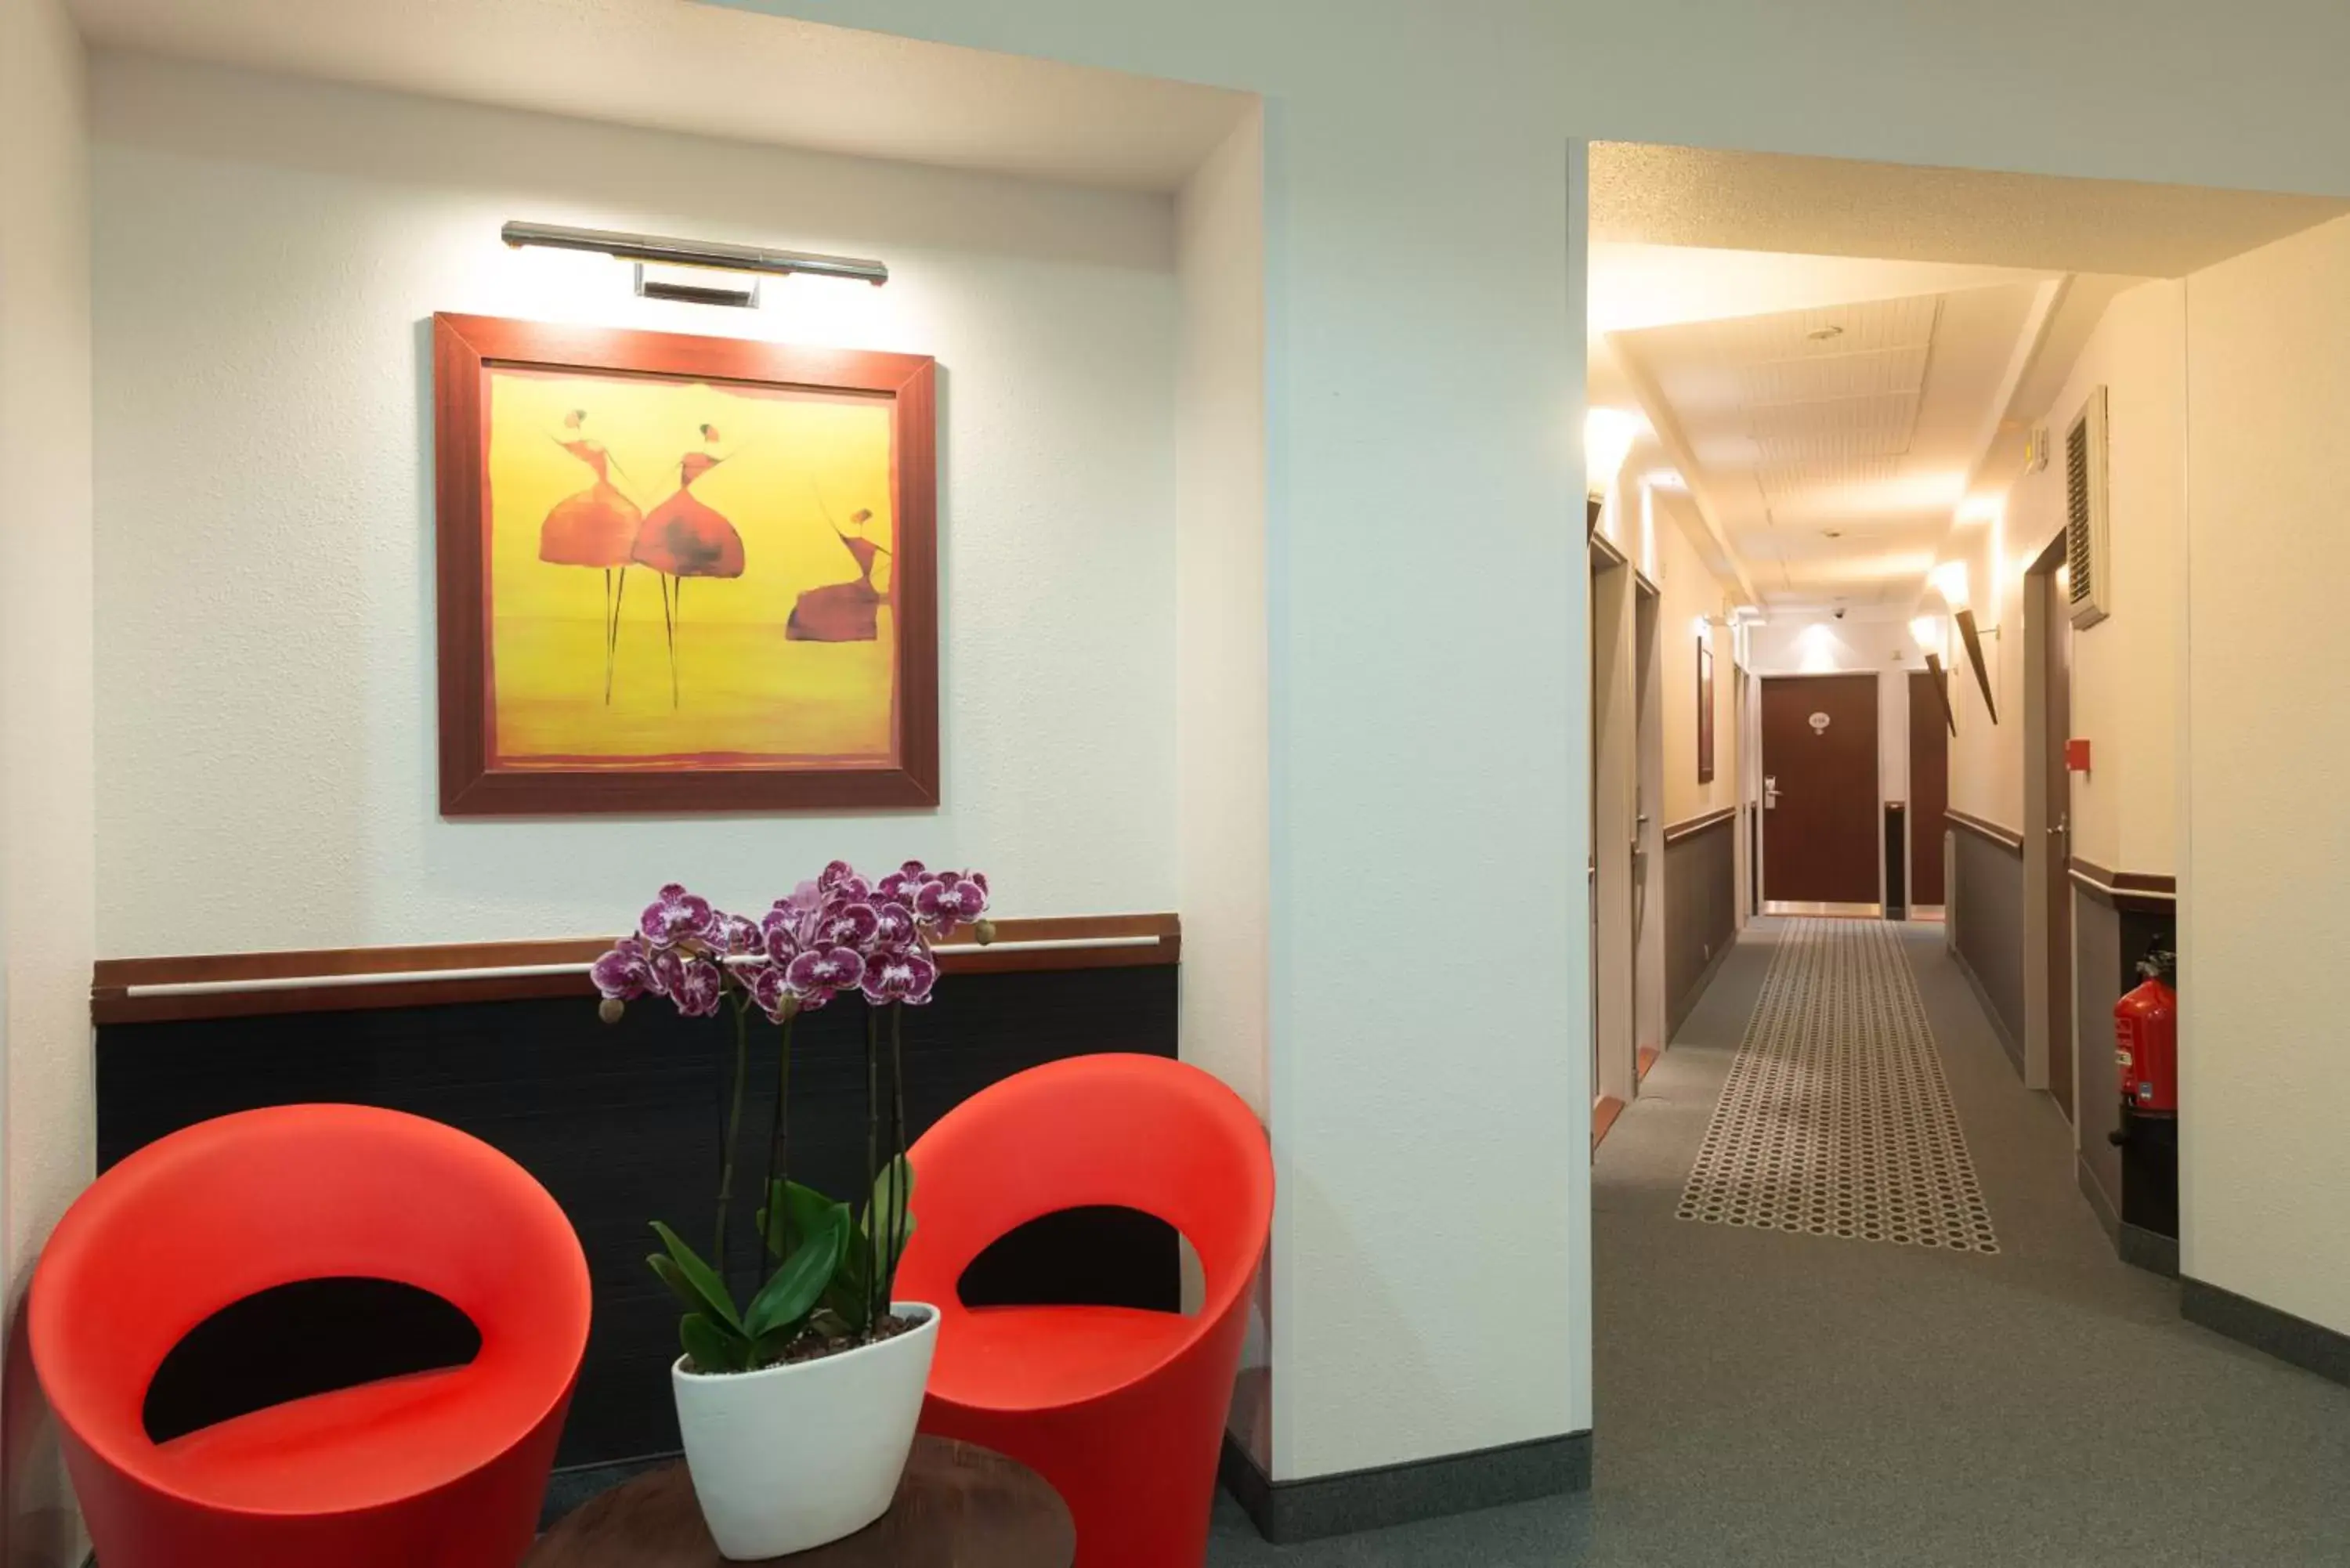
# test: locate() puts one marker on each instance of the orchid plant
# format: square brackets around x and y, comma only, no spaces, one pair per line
[826,1278]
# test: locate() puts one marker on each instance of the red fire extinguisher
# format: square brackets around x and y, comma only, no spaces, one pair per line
[2146,1041]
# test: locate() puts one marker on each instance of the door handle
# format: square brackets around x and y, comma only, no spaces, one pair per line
[2063,825]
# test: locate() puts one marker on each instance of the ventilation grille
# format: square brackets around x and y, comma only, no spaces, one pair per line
[2085,522]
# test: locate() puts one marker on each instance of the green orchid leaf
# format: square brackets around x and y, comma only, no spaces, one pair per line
[845,1295]
[806,1212]
[796,1287]
[712,1348]
[889,1249]
[674,1278]
[709,1293]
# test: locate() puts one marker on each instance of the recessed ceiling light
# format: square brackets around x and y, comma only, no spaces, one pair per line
[1821,334]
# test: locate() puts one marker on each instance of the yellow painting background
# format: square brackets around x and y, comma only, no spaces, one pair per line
[745,694]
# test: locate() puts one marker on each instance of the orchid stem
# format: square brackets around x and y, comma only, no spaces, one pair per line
[872,1165]
[779,1147]
[898,1170]
[734,1137]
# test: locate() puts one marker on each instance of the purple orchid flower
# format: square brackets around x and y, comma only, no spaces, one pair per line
[840,881]
[624,973]
[770,990]
[950,900]
[740,934]
[907,976]
[901,885]
[848,925]
[677,916]
[701,985]
[894,928]
[816,975]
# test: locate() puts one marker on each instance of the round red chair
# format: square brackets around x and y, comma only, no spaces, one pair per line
[1122,1410]
[436,1469]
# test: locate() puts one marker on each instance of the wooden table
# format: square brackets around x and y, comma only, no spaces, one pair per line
[960,1505]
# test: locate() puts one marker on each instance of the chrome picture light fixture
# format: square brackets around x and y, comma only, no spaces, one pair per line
[708,256]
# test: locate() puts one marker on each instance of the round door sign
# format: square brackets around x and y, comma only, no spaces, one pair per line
[1819,723]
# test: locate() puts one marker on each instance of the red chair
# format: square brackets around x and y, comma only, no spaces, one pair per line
[437,1469]
[1122,1410]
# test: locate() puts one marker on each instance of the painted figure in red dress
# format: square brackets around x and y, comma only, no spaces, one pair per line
[682,538]
[593,527]
[842,612]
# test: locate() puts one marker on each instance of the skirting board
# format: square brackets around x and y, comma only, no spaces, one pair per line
[1676,1017]
[1286,1512]
[2308,1345]
[2149,1250]
[2108,1218]
[2007,1042]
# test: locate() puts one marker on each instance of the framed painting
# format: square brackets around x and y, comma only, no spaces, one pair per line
[1704,709]
[588,478]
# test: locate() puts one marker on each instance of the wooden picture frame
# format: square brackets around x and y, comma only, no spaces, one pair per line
[479,778]
[1704,709]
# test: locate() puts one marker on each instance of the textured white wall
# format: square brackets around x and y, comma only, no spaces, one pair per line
[2125,676]
[2263,1161]
[267,252]
[1223,732]
[46,748]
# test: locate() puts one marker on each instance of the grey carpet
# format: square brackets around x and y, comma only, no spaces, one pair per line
[1774,1399]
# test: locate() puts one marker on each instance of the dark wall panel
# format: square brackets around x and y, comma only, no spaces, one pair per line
[1700,914]
[2107,943]
[620,1123]
[1987,927]
[2097,966]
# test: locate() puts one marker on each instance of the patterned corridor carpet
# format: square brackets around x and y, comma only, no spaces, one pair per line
[1836,1120]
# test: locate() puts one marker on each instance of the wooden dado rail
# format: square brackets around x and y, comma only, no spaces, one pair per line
[1697,824]
[2006,838]
[2143,890]
[343,980]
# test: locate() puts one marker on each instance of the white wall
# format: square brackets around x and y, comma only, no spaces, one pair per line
[1224,778]
[45,749]
[267,735]
[2263,1161]
[2124,692]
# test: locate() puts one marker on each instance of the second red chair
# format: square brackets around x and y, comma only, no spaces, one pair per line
[1122,1410]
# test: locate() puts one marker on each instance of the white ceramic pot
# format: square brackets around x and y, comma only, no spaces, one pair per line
[790,1458]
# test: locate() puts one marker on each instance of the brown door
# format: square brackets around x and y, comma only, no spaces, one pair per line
[1929,788]
[2057,704]
[1819,789]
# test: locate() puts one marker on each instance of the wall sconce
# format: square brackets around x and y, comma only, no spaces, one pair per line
[1942,691]
[708,256]
[1965,619]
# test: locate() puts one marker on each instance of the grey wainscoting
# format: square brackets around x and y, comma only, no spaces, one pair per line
[1987,922]
[2098,964]
[1700,907]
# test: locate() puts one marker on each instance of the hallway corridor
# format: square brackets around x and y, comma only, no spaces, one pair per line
[1775,1398]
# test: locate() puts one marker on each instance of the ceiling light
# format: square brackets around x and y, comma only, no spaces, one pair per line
[657,251]
[1949,580]
[1608,435]
[1664,479]
[1832,533]
[1821,334]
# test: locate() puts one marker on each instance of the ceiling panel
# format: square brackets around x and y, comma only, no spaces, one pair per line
[1832,443]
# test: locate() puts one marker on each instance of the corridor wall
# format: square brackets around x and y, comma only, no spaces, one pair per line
[46,878]
[2263,923]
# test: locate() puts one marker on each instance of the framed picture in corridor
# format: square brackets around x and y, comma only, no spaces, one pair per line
[682,574]
[1704,707]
